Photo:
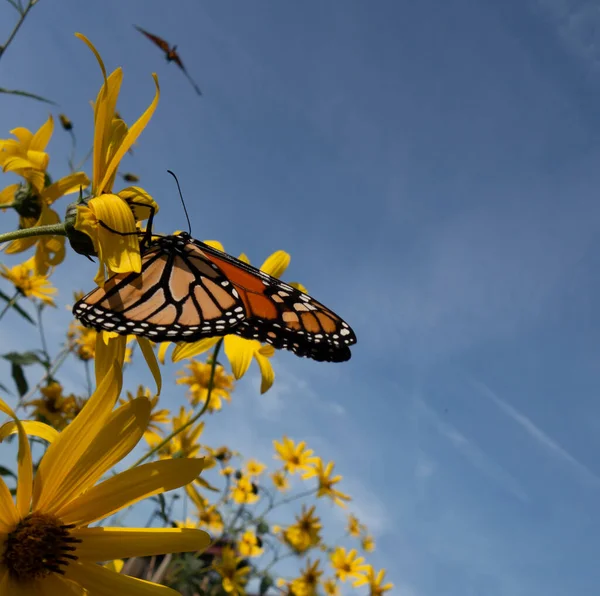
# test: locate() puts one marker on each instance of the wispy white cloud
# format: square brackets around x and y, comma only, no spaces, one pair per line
[537,434]
[474,454]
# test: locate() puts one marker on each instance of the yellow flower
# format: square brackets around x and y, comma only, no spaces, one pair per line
[330,587]
[227,471]
[233,572]
[244,491]
[211,519]
[184,443]
[240,351]
[157,417]
[115,240]
[296,458]
[305,533]
[368,543]
[354,526]
[254,468]
[348,565]
[280,480]
[375,581]
[308,582]
[53,407]
[47,542]
[326,482]
[250,545]
[28,282]
[199,379]
[26,157]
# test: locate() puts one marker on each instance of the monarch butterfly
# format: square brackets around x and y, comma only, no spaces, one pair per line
[170,54]
[188,290]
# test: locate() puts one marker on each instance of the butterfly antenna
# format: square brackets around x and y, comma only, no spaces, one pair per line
[182,202]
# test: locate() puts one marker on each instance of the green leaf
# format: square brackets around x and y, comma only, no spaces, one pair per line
[19,377]
[23,359]
[18,308]
[26,94]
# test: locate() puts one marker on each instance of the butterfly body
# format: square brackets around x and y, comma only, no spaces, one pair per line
[188,290]
[170,54]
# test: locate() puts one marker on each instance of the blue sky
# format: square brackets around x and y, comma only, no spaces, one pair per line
[432,169]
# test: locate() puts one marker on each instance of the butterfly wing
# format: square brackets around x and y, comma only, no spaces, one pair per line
[281,315]
[159,41]
[178,296]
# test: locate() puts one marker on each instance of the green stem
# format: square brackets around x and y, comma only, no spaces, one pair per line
[213,368]
[10,303]
[51,230]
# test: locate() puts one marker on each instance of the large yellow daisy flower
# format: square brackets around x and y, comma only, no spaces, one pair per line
[48,547]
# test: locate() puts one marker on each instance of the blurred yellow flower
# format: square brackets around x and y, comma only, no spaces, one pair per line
[330,587]
[108,219]
[244,491]
[227,471]
[296,458]
[368,543]
[254,467]
[354,526]
[232,571]
[183,444]
[305,533]
[47,544]
[326,482]
[29,283]
[308,582]
[375,581]
[210,518]
[280,480]
[250,545]
[348,565]
[53,407]
[198,381]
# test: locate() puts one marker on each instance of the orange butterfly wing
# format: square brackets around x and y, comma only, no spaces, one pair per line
[178,296]
[188,290]
[283,316]
[159,41]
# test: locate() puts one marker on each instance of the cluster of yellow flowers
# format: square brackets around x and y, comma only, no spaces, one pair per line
[50,540]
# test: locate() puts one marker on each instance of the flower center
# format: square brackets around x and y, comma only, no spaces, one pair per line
[39,545]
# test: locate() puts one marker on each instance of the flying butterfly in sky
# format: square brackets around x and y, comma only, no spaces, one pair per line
[170,54]
[188,290]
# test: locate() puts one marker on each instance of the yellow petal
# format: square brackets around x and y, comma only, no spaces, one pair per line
[50,250]
[298,286]
[99,544]
[8,194]
[276,264]
[266,372]
[215,244]
[240,352]
[151,361]
[99,581]
[64,453]
[132,135]
[38,160]
[137,195]
[185,350]
[119,249]
[41,138]
[162,351]
[32,429]
[9,516]
[127,488]
[118,436]
[244,258]
[108,351]
[24,467]
[64,186]
[23,135]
